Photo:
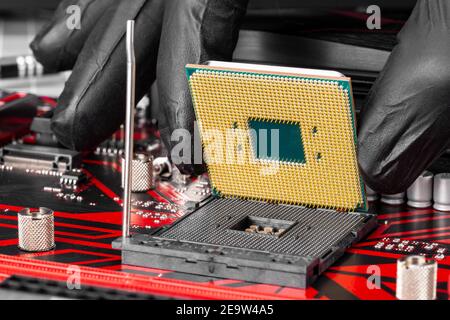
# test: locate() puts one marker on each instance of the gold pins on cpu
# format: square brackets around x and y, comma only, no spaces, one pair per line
[286,135]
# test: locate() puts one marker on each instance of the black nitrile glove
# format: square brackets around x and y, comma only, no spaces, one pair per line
[405,124]
[168,35]
[56,46]
[403,127]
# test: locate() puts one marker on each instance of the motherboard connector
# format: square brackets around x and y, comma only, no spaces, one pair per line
[25,156]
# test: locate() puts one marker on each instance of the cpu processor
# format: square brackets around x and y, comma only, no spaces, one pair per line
[280,147]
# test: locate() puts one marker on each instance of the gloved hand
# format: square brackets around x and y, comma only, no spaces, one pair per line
[168,35]
[405,124]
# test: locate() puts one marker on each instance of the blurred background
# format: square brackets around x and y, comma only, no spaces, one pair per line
[326,34]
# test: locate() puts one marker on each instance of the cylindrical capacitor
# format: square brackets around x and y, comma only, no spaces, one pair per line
[36,229]
[393,199]
[371,195]
[142,172]
[441,192]
[420,193]
[416,278]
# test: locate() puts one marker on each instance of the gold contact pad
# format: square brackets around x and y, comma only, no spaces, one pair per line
[321,107]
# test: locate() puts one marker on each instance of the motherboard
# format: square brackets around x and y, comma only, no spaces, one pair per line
[84,191]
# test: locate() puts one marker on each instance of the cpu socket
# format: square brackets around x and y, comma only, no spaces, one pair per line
[279,215]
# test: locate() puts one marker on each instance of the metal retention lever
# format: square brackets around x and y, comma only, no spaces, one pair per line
[129,128]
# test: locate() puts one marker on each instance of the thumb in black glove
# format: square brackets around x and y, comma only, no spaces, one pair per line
[405,124]
[168,35]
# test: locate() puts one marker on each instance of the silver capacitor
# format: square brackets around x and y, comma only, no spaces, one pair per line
[142,172]
[393,199]
[420,193]
[371,195]
[416,278]
[36,229]
[441,192]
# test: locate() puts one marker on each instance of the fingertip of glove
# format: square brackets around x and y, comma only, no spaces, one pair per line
[36,47]
[382,179]
[43,55]
[192,169]
[63,128]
